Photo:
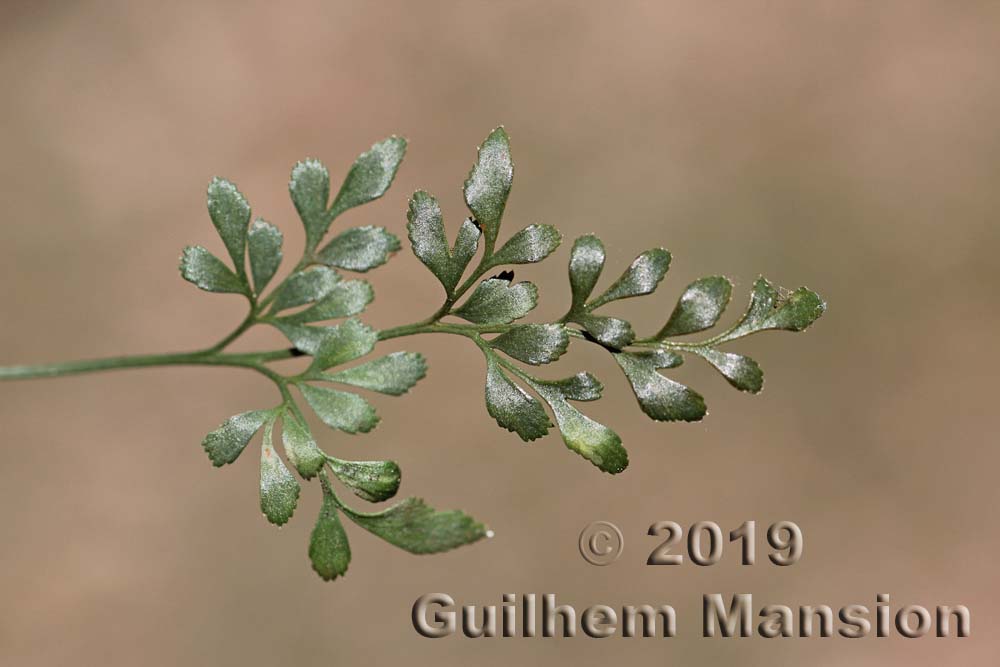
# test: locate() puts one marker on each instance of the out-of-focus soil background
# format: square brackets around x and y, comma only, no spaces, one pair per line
[851,147]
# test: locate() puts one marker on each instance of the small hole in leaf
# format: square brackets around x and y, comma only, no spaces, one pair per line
[504,275]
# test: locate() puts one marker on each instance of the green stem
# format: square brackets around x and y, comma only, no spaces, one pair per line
[714,341]
[406,330]
[441,327]
[254,361]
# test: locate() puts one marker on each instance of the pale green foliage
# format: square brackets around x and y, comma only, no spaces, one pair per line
[230,213]
[370,175]
[279,492]
[593,441]
[360,249]
[414,526]
[329,550]
[430,243]
[513,407]
[302,287]
[340,409]
[488,184]
[394,374]
[342,343]
[300,447]
[207,271]
[699,307]
[226,443]
[532,244]
[315,293]
[312,303]
[642,277]
[374,481]
[310,190]
[264,245]
[533,344]
[344,298]
[660,398]
[498,301]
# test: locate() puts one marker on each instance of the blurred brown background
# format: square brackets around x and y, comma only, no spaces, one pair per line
[850,147]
